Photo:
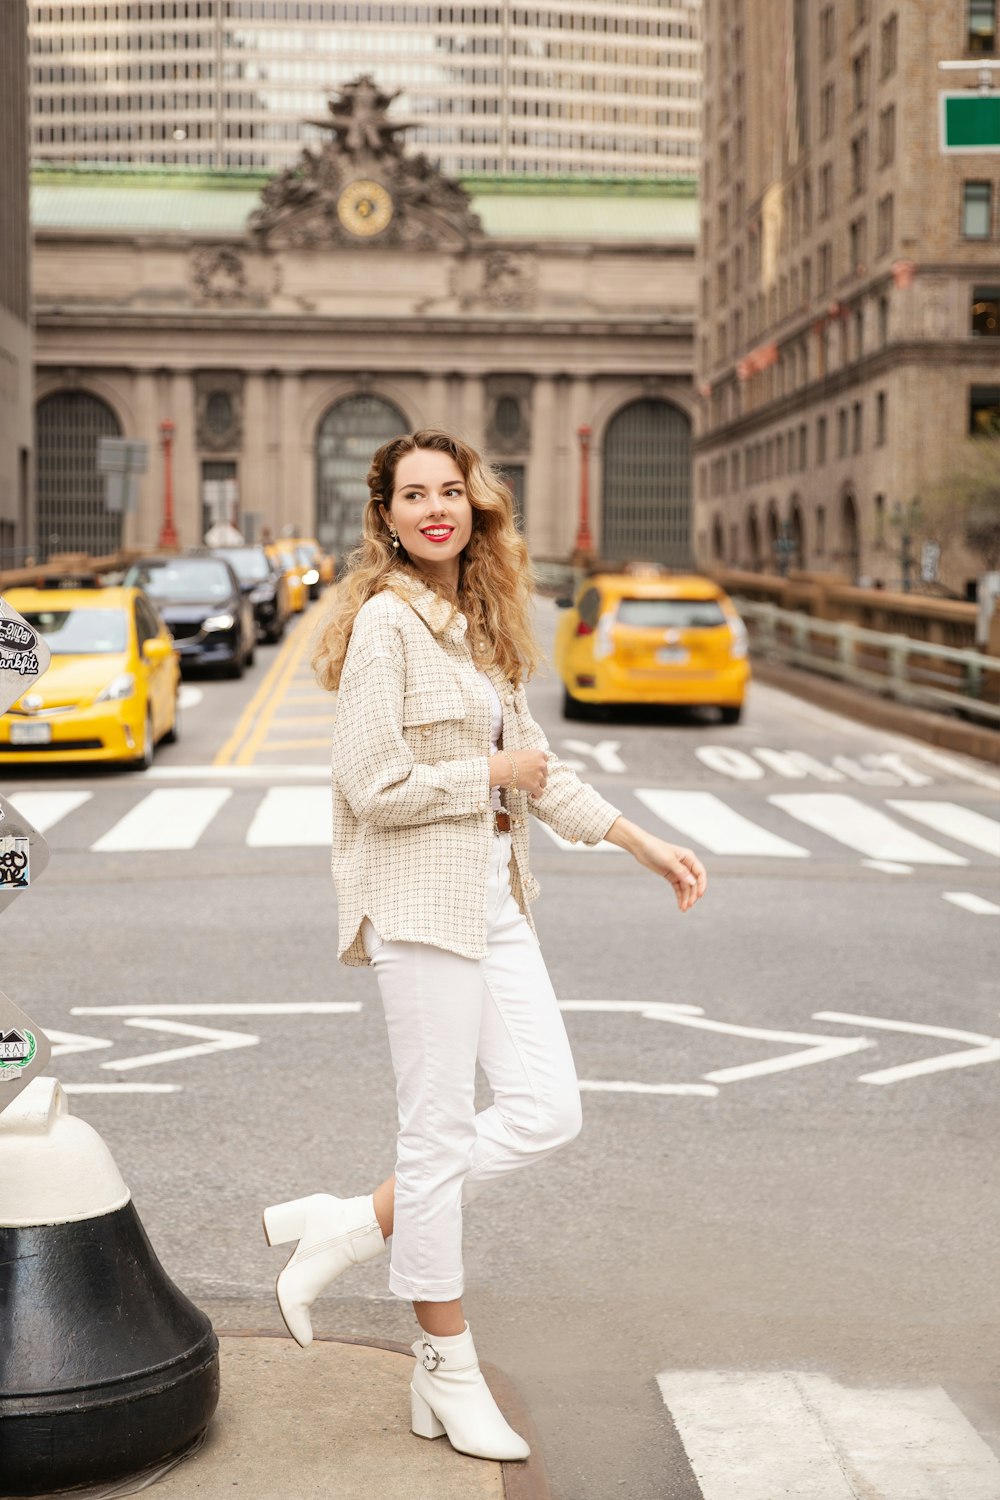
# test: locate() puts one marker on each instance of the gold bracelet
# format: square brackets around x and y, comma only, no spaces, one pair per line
[513,767]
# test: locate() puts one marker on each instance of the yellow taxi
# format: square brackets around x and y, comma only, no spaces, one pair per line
[110,692]
[649,636]
[287,559]
[316,562]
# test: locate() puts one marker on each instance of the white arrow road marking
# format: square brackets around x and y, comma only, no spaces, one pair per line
[287,815]
[165,820]
[887,866]
[895,763]
[971,902]
[955,822]
[605,752]
[45,809]
[64,1042]
[219,1041]
[729,762]
[795,764]
[121,1088]
[958,768]
[758,1435]
[638,1007]
[862,827]
[710,822]
[980,1048]
[264,1008]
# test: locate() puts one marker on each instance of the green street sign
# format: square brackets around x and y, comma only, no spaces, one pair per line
[970,122]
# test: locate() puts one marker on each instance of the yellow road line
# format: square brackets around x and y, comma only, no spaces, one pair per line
[255,739]
[276,671]
[313,721]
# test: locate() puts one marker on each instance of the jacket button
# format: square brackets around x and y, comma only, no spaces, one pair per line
[482,807]
[509,698]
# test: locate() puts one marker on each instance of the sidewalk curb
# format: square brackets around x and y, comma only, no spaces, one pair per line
[948,733]
[521,1481]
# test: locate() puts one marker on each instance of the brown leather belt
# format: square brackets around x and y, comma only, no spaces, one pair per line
[501,822]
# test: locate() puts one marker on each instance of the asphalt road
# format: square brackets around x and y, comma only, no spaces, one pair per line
[784,1200]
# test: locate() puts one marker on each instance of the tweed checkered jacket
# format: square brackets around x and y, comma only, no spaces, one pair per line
[412,824]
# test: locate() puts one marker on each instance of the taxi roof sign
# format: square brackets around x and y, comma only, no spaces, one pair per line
[970,122]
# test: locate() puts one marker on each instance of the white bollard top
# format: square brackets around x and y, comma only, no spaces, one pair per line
[54,1169]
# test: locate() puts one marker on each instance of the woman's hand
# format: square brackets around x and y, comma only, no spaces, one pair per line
[532,770]
[681,867]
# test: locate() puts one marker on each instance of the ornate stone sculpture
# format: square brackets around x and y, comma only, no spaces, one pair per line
[218,275]
[359,188]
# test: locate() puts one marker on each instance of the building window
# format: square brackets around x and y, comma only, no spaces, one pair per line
[821,440]
[880,419]
[842,432]
[986,311]
[856,433]
[880,520]
[977,210]
[887,136]
[827,100]
[859,162]
[858,236]
[827,33]
[889,38]
[859,332]
[820,530]
[884,225]
[883,321]
[984,411]
[826,190]
[803,447]
[982,26]
[859,79]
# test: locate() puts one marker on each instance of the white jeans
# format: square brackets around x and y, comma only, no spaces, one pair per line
[443,1012]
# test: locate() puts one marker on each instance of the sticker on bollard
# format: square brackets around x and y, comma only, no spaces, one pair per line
[24,854]
[24,1053]
[24,656]
[106,1368]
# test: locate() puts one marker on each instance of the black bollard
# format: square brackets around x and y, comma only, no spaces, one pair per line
[106,1369]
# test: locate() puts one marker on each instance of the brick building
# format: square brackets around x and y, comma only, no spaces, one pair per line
[848,334]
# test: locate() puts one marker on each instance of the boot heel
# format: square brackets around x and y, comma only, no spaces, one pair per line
[423,1422]
[285,1221]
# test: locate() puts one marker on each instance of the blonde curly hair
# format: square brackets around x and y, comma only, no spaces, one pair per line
[495,584]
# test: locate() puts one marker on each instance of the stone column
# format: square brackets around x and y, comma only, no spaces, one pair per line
[254,463]
[435,401]
[578,412]
[541,490]
[472,419]
[187,469]
[294,499]
[142,527]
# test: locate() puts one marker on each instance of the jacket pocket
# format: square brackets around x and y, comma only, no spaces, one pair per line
[432,706]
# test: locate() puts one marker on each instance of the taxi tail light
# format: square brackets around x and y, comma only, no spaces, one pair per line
[584,629]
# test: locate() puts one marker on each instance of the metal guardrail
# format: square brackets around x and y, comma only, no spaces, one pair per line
[897,666]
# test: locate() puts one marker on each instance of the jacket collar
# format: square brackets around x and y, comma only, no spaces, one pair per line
[442,618]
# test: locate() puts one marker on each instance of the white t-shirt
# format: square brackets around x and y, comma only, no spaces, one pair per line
[496,729]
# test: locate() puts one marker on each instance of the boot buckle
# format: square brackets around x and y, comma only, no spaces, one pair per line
[430,1358]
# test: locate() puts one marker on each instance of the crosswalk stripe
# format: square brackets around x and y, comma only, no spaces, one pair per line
[862,827]
[292,815]
[969,901]
[165,819]
[45,809]
[714,825]
[786,1432]
[954,821]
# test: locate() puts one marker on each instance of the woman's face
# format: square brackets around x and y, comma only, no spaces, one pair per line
[431,510]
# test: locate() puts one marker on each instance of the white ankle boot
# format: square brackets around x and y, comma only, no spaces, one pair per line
[332,1233]
[448,1395]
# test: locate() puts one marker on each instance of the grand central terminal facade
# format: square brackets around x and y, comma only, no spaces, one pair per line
[263,336]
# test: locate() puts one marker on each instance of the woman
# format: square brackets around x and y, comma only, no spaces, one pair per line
[436,763]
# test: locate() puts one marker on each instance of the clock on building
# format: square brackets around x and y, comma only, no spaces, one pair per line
[364,207]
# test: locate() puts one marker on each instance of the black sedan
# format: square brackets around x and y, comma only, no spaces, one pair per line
[264,585]
[207,612]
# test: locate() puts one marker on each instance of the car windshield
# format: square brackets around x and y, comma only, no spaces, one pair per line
[305,556]
[662,614]
[79,632]
[249,565]
[191,580]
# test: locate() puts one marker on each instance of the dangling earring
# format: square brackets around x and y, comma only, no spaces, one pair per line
[395,537]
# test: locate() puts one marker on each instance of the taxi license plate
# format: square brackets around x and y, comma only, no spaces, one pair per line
[31,734]
[672,654]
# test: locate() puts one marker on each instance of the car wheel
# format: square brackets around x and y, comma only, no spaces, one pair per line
[235,667]
[572,707]
[173,734]
[252,654]
[274,635]
[144,760]
[732,715]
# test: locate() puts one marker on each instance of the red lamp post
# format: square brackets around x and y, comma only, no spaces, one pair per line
[168,532]
[583,548]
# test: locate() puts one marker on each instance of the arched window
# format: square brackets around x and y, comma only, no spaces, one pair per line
[753,540]
[718,540]
[345,441]
[850,539]
[646,510]
[72,513]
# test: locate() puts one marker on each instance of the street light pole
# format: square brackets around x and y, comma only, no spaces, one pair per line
[583,549]
[168,532]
